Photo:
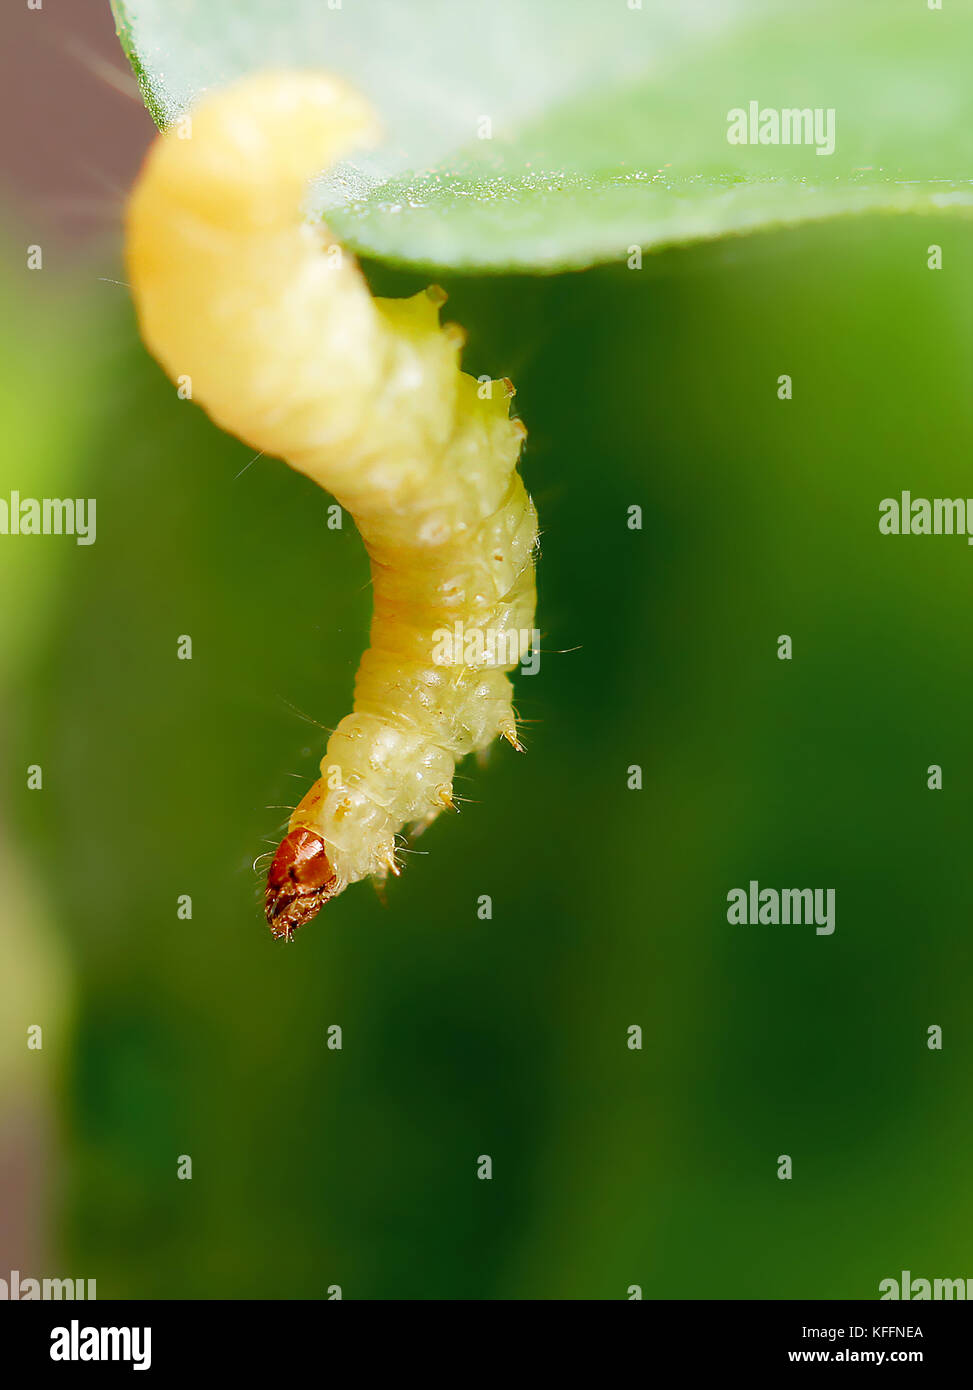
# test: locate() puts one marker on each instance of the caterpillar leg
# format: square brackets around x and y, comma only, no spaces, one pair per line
[418,827]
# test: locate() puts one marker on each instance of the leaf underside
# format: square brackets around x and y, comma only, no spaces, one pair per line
[558,134]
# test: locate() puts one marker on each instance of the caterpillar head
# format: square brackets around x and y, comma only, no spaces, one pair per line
[300,881]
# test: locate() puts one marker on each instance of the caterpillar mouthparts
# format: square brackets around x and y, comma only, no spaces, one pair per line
[274,325]
[300,881]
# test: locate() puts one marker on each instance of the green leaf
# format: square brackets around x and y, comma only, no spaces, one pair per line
[608,125]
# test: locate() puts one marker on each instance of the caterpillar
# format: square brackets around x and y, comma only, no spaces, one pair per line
[286,348]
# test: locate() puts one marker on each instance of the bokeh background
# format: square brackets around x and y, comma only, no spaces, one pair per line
[507,1037]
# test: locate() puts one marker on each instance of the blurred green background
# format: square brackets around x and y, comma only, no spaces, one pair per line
[508,1037]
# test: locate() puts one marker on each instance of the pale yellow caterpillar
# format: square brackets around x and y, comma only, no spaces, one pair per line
[287,349]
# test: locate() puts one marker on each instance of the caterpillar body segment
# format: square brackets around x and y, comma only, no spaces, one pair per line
[287,349]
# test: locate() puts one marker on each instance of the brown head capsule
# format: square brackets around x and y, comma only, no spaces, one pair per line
[300,881]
